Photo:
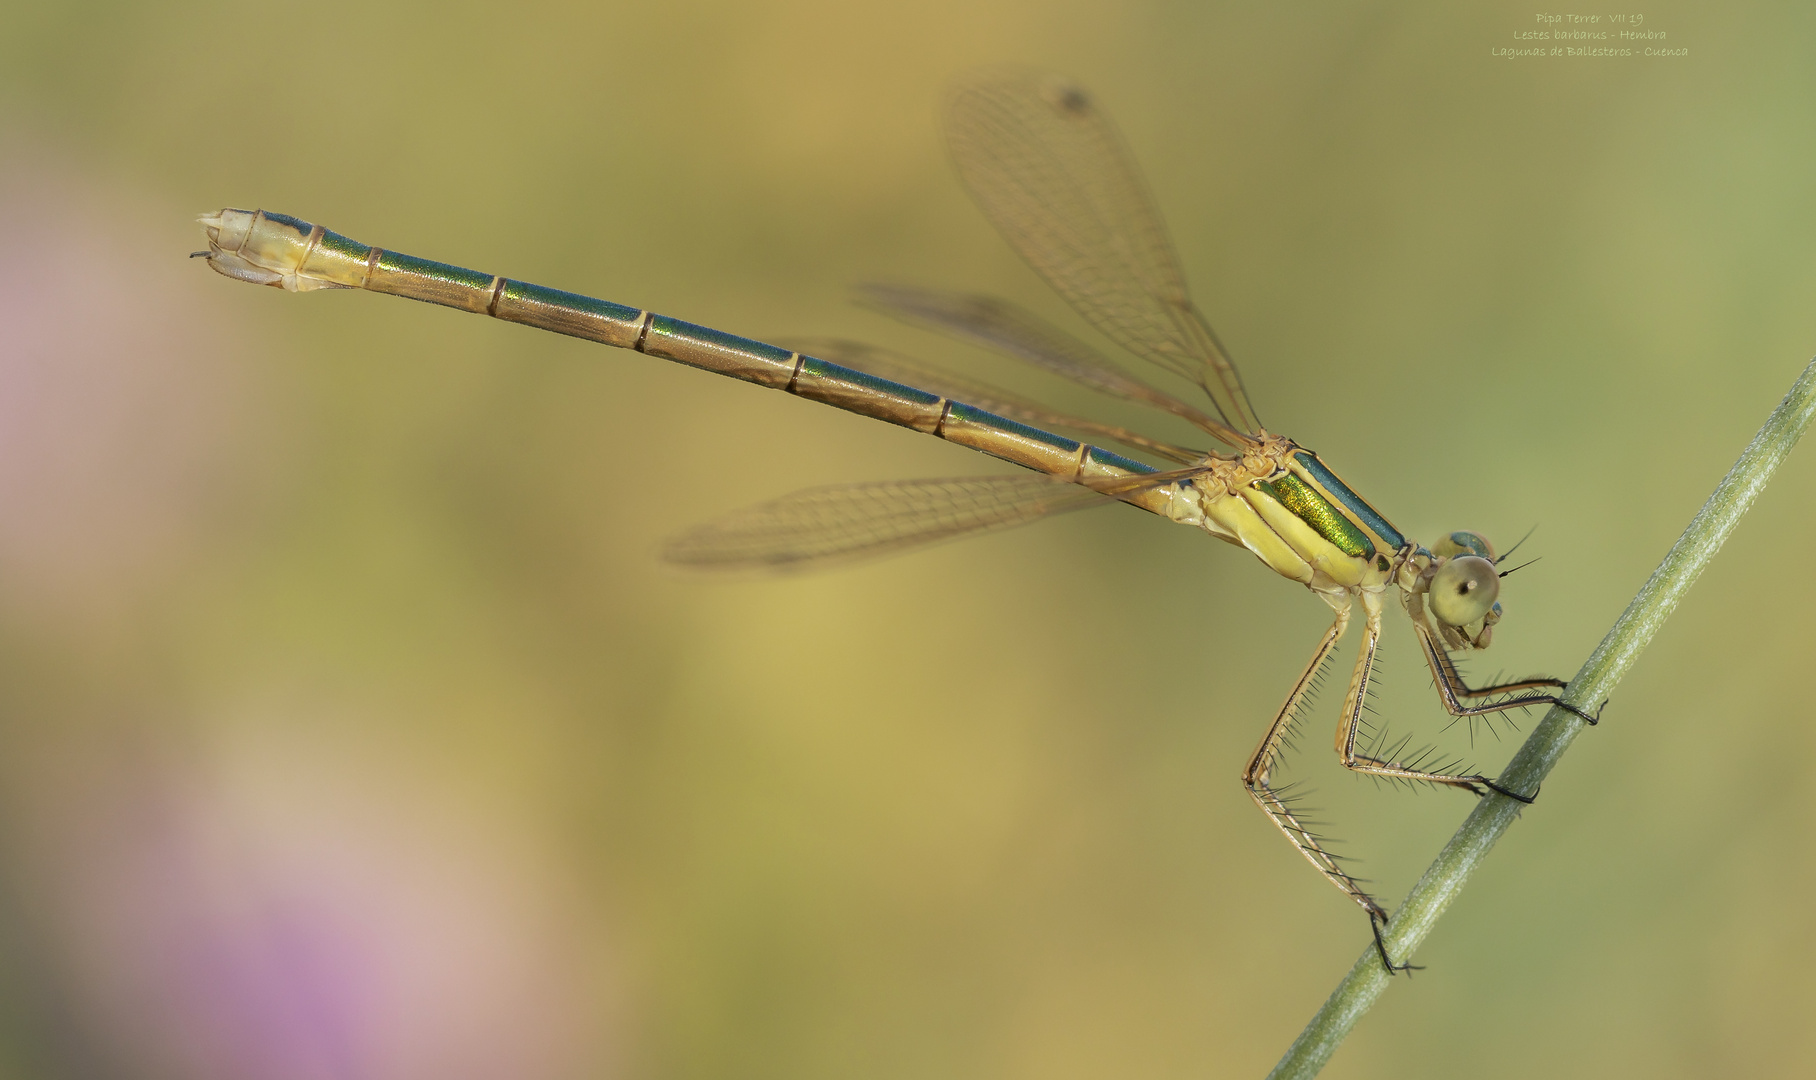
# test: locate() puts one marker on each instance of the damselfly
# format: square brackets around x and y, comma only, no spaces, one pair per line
[1052,173]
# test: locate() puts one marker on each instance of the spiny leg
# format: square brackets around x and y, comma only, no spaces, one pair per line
[1452,689]
[1353,704]
[1357,699]
[1255,777]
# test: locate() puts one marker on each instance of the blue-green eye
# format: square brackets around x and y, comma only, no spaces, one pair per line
[1464,542]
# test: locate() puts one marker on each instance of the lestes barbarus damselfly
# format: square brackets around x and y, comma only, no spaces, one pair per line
[1053,175]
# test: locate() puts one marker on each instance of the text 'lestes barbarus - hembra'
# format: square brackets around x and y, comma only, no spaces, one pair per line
[1053,175]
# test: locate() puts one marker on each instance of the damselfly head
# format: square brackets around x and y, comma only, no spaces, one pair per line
[1463,592]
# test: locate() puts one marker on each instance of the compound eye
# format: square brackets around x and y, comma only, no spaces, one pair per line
[1464,542]
[1464,590]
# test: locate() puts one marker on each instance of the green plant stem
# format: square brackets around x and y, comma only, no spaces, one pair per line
[1594,683]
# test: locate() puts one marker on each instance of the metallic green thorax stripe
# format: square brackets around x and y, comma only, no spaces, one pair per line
[1353,507]
[1315,510]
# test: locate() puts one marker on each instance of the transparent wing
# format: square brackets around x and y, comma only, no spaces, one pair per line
[1053,175]
[950,384]
[848,521]
[1000,325]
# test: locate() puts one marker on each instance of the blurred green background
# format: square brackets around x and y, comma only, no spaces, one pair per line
[351,728]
